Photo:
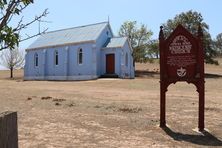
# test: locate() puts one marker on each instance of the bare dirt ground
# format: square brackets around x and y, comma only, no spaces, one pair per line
[112,112]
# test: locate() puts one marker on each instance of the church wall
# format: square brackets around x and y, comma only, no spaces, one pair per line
[68,66]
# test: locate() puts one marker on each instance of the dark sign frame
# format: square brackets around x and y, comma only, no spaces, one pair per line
[181,59]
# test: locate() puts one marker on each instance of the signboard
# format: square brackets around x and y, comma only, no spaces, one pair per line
[181,59]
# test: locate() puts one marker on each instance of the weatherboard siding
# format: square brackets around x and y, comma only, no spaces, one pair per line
[67,61]
[87,66]
[94,54]
[100,42]
[128,70]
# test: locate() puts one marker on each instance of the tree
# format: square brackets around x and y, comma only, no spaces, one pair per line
[153,49]
[218,44]
[12,59]
[191,20]
[10,34]
[139,37]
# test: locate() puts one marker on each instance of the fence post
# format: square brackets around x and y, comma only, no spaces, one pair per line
[8,130]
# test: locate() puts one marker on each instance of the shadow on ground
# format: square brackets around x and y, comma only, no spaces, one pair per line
[152,74]
[207,139]
[146,74]
[209,75]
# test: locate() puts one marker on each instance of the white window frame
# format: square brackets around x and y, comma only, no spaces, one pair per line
[126,60]
[80,51]
[36,58]
[56,58]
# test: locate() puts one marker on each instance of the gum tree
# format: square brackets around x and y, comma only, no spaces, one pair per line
[191,20]
[10,32]
[139,37]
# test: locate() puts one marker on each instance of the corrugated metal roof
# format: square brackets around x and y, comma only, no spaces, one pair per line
[74,35]
[116,42]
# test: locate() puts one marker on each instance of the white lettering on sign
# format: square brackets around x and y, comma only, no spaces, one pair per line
[181,60]
[180,45]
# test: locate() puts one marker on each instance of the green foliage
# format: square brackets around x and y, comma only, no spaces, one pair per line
[139,37]
[191,20]
[153,49]
[9,37]
[9,32]
[210,50]
[3,3]
[218,44]
[27,2]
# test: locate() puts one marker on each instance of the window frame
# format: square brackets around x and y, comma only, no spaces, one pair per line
[56,58]
[36,60]
[80,56]
[126,59]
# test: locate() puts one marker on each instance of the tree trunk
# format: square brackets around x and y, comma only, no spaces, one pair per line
[157,56]
[11,72]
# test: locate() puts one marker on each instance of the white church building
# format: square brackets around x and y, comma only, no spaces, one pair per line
[79,53]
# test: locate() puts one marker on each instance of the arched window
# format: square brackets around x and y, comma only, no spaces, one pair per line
[126,59]
[80,56]
[36,60]
[56,58]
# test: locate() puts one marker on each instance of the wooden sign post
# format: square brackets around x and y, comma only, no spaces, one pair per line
[181,59]
[8,130]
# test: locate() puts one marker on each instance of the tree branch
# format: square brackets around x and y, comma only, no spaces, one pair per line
[37,18]
[8,13]
[29,37]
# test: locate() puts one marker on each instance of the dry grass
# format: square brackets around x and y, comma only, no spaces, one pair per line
[112,112]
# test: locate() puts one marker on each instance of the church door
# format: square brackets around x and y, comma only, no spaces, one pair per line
[110,63]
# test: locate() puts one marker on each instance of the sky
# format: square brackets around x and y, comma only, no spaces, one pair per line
[153,13]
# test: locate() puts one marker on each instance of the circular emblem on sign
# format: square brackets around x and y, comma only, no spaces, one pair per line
[181,72]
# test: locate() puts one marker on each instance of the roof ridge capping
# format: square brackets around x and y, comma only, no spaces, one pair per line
[76,27]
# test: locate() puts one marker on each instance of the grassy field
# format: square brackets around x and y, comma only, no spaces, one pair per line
[112,112]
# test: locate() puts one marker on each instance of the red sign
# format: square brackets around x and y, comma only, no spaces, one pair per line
[182,59]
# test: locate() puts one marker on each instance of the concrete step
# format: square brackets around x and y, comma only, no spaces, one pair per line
[109,76]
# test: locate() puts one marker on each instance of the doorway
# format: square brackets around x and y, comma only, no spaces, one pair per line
[110,64]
